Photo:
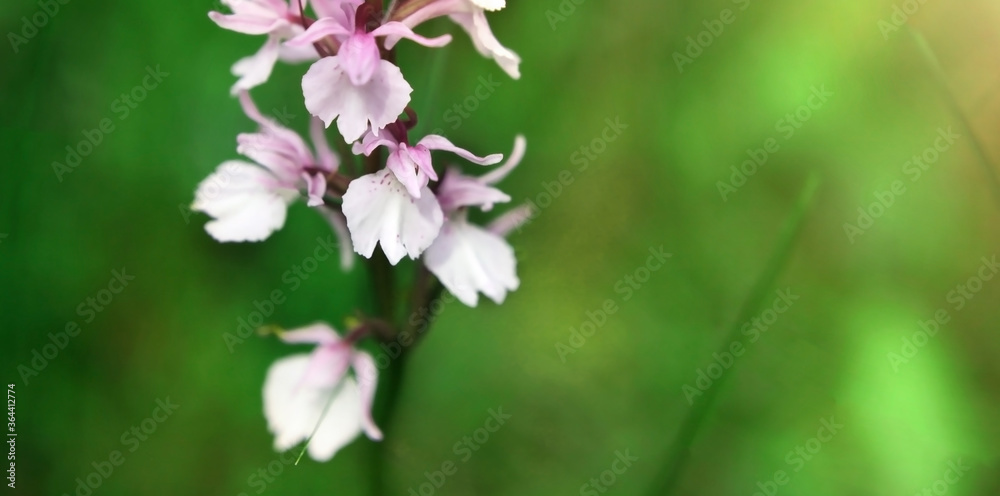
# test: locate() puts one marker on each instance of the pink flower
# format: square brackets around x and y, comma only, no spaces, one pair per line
[379,210]
[274,18]
[471,16]
[311,396]
[249,201]
[411,164]
[356,87]
[466,258]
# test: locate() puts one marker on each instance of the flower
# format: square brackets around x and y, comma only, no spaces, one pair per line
[412,164]
[379,210]
[356,86]
[248,201]
[469,259]
[274,18]
[311,396]
[471,16]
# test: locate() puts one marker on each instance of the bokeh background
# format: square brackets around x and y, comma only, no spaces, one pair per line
[656,185]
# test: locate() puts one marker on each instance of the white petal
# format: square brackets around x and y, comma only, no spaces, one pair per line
[339,225]
[379,210]
[468,259]
[486,43]
[245,200]
[367,373]
[293,410]
[329,94]
[256,69]
[489,4]
[296,55]
[341,424]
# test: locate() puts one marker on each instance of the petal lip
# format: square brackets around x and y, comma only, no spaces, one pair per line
[469,260]
[380,211]
[331,95]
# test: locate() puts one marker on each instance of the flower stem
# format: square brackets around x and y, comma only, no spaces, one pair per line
[677,455]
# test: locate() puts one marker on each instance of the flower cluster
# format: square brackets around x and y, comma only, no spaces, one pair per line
[396,200]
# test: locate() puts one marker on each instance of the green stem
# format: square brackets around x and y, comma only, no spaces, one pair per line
[679,451]
[942,81]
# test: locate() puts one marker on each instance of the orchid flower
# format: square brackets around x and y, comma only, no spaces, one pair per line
[356,86]
[312,397]
[466,258]
[411,164]
[249,201]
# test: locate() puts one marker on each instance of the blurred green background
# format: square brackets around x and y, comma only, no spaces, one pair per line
[656,185]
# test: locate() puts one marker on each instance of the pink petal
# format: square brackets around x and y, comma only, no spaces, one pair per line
[435,142]
[315,188]
[328,161]
[516,155]
[406,172]
[247,24]
[458,190]
[279,148]
[328,365]
[398,30]
[359,58]
[503,225]
[371,141]
[320,29]
[319,333]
